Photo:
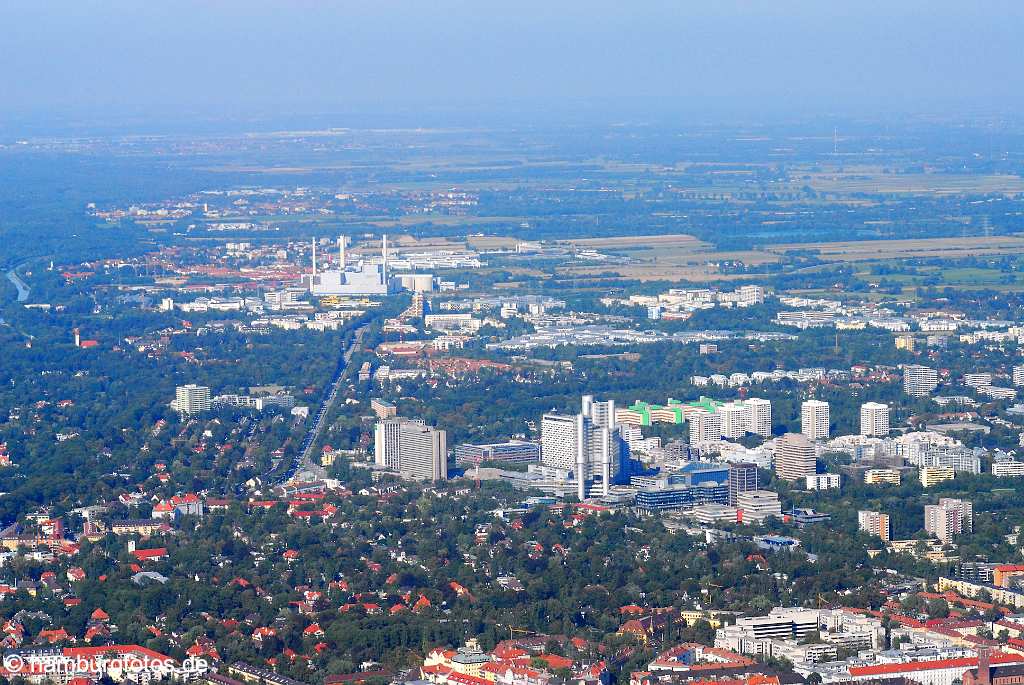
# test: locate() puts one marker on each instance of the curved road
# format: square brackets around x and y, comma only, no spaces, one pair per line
[23,289]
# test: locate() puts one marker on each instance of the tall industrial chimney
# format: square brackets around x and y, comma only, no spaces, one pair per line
[314,263]
[341,253]
[984,666]
[384,256]
[581,456]
[606,436]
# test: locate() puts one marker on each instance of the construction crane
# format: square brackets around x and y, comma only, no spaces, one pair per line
[711,596]
[476,471]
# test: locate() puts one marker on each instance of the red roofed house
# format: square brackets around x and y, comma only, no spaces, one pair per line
[262,633]
[936,672]
[52,636]
[156,554]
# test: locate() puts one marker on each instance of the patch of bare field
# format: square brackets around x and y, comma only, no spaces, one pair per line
[936,184]
[444,220]
[491,242]
[626,241]
[859,250]
[654,272]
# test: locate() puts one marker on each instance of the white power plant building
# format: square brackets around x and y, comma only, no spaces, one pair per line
[364,278]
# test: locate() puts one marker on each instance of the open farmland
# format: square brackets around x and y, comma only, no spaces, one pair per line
[684,257]
[873,181]
[665,257]
[952,248]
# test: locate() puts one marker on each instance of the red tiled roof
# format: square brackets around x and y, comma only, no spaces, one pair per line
[914,666]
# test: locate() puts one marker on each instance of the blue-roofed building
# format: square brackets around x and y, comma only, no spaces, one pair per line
[698,472]
[664,499]
[776,543]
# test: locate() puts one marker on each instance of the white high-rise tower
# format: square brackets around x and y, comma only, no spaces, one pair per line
[814,419]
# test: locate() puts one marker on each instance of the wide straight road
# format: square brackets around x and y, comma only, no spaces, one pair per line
[305,465]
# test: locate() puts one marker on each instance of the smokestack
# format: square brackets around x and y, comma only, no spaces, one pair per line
[341,253]
[314,262]
[384,255]
[606,460]
[984,667]
[581,457]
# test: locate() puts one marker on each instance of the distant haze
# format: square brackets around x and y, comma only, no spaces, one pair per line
[227,58]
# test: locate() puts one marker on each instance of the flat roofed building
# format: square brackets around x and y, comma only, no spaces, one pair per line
[742,478]
[919,381]
[512,452]
[758,505]
[794,457]
[874,523]
[933,475]
[705,427]
[879,476]
[383,409]
[949,518]
[814,419]
[823,481]
[411,448]
[192,399]
[874,419]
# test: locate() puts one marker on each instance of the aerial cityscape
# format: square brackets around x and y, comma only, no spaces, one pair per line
[361,382]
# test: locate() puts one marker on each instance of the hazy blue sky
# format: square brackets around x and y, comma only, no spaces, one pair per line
[60,56]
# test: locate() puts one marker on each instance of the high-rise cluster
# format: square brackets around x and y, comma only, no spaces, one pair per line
[587,444]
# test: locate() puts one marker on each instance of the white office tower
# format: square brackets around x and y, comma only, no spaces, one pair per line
[600,413]
[760,416]
[977,380]
[814,420]
[794,457]
[919,381]
[949,518]
[705,427]
[413,449]
[735,418]
[874,419]
[1018,376]
[576,444]
[191,399]
[747,295]
[559,445]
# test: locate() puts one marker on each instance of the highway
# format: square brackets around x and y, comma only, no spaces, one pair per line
[305,460]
